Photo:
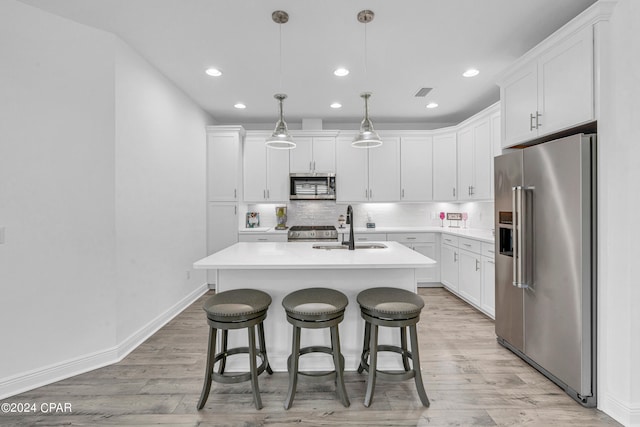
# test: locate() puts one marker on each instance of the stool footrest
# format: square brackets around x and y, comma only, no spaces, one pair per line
[316,375]
[388,375]
[238,377]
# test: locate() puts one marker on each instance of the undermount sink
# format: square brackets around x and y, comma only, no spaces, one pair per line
[358,246]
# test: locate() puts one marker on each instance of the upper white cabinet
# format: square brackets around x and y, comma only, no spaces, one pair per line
[313,154]
[444,167]
[552,88]
[416,168]
[265,172]
[224,159]
[368,175]
[475,160]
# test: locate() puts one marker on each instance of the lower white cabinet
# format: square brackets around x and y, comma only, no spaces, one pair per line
[262,237]
[427,245]
[222,230]
[468,270]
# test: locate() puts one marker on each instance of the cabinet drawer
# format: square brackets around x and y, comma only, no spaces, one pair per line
[369,237]
[412,237]
[262,237]
[448,239]
[470,245]
[488,250]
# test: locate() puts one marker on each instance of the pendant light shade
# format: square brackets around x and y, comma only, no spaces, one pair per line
[367,137]
[280,139]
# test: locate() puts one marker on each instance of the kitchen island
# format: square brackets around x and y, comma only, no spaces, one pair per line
[279,268]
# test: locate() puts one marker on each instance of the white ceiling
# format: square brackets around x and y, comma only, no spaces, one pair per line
[410,44]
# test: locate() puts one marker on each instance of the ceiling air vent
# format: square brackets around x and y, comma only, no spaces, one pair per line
[422,92]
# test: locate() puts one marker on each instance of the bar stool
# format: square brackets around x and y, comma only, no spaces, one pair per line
[315,308]
[236,309]
[390,307]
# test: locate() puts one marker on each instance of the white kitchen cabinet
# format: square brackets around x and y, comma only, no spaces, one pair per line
[488,302]
[262,237]
[368,175]
[224,161]
[449,262]
[426,244]
[222,229]
[475,160]
[444,167]
[266,172]
[416,168]
[470,276]
[313,154]
[550,92]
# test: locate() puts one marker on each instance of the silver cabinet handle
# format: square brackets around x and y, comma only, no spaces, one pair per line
[471,190]
[268,195]
[235,193]
[402,193]
[531,118]
[370,193]
[235,210]
[477,265]
[491,252]
[314,165]
[490,262]
[264,194]
[366,193]
[262,239]
[538,124]
[467,245]
[411,238]
[454,191]
[455,257]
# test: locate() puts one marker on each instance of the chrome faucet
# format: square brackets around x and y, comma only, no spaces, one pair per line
[351,241]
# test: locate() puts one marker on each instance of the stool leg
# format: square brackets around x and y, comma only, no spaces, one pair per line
[263,348]
[293,368]
[373,365]
[415,357]
[403,344]
[339,366]
[223,350]
[253,368]
[365,346]
[211,355]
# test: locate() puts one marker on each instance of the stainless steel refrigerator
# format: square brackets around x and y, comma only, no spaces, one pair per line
[545,206]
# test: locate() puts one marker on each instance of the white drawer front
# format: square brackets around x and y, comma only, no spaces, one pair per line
[488,250]
[448,239]
[369,237]
[412,237]
[470,245]
[244,237]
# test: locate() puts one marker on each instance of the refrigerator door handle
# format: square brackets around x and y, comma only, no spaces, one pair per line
[520,238]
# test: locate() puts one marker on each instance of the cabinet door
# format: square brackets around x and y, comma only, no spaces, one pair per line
[300,158]
[223,161]
[449,267]
[444,167]
[384,171]
[519,99]
[416,169]
[482,161]
[488,299]
[465,163]
[470,276]
[262,237]
[255,170]
[431,274]
[565,81]
[324,154]
[496,147]
[352,172]
[222,230]
[277,175]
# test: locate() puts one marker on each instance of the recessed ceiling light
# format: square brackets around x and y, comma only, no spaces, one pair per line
[240,106]
[432,105]
[336,105]
[213,72]
[471,72]
[341,72]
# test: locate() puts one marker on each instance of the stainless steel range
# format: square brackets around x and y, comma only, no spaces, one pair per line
[313,233]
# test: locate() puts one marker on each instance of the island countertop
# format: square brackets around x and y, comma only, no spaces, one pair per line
[302,255]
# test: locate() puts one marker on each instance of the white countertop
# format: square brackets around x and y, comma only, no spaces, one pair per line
[472,233]
[301,255]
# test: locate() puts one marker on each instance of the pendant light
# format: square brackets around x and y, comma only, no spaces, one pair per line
[280,139]
[367,137]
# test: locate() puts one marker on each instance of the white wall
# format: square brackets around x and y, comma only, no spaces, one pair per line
[57,290]
[160,192]
[619,204]
[102,197]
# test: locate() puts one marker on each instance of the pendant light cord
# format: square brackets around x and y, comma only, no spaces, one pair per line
[280,54]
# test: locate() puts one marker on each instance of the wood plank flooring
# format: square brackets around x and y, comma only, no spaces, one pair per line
[469,378]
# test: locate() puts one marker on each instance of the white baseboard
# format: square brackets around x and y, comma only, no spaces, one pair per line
[26,381]
[621,412]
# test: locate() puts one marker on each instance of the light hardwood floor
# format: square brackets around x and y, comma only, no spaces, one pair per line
[469,378]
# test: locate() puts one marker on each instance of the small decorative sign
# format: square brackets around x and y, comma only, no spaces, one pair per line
[456,217]
[253,219]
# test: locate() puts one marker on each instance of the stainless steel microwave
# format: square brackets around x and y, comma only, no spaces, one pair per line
[312,186]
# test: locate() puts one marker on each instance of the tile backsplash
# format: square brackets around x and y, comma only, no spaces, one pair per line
[316,212]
